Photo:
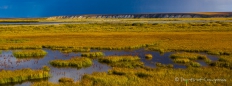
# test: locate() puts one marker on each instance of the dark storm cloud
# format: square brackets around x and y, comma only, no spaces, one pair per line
[44,8]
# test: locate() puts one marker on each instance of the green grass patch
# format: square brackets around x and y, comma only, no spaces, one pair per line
[164,65]
[225,59]
[46,83]
[68,49]
[92,54]
[208,61]
[122,61]
[185,55]
[221,64]
[128,64]
[66,80]
[214,52]
[157,49]
[73,62]
[8,76]
[113,59]
[195,64]
[181,60]
[29,53]
[81,50]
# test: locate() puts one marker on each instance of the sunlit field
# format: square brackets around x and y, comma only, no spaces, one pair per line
[190,40]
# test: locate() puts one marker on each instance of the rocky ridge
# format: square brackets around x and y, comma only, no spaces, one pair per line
[155,15]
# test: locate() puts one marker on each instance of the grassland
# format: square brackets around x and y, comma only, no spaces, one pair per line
[188,59]
[160,65]
[7,76]
[158,76]
[165,37]
[73,62]
[213,36]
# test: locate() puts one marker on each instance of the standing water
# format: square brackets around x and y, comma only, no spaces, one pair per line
[9,62]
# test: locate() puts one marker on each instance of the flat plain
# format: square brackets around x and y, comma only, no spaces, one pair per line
[211,36]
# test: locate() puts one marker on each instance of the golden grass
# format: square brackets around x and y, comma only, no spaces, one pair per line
[158,76]
[195,41]
[164,65]
[73,62]
[181,60]
[66,80]
[213,38]
[190,56]
[191,41]
[29,53]
[7,76]
[122,61]
[195,64]
[113,59]
[55,84]
[93,54]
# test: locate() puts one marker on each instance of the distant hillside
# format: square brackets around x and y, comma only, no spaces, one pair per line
[154,15]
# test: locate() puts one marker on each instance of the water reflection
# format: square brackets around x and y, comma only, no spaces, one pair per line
[9,62]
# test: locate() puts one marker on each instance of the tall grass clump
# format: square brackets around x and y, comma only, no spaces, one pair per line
[69,50]
[208,61]
[29,53]
[221,64]
[181,60]
[8,76]
[73,62]
[164,65]
[92,54]
[214,52]
[122,61]
[185,55]
[195,64]
[66,80]
[112,59]
[46,83]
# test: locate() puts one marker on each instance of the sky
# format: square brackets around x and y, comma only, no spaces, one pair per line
[47,8]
